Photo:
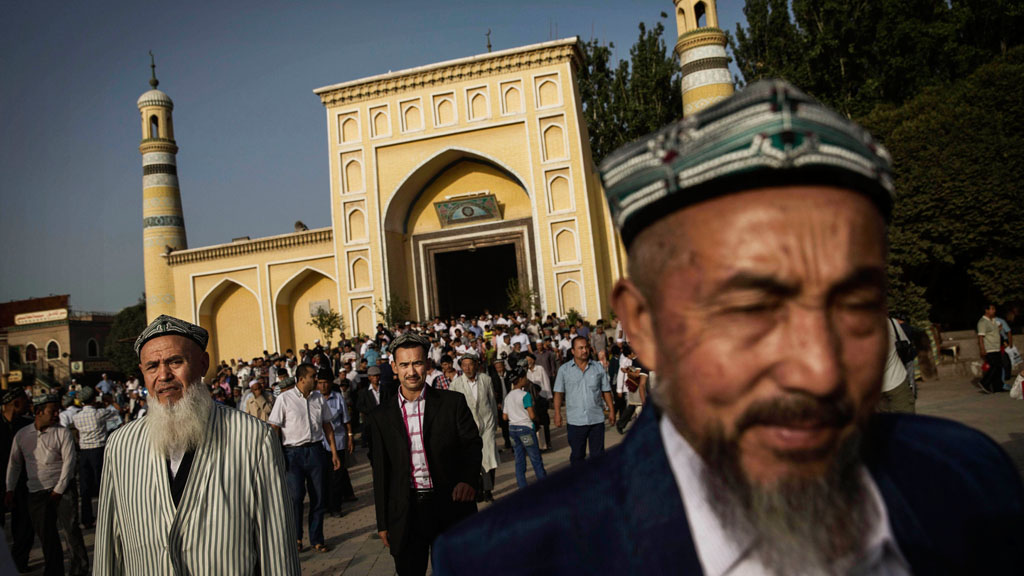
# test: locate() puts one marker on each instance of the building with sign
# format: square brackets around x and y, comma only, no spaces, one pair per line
[449,183]
[45,340]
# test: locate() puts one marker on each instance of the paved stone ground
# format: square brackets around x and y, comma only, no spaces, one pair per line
[357,551]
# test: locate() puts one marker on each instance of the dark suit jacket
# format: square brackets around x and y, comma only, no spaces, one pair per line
[954,500]
[454,453]
[366,403]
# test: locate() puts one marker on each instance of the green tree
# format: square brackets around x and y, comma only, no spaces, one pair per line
[119,347]
[327,322]
[957,152]
[632,98]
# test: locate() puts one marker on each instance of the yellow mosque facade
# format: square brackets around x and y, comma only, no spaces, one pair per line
[448,183]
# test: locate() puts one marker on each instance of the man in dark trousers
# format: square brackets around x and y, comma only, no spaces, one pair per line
[757,238]
[426,459]
[13,418]
[369,398]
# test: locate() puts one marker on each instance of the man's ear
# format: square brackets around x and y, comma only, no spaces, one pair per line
[634,311]
[205,362]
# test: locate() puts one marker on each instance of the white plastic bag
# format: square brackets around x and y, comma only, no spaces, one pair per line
[1015,392]
[1015,357]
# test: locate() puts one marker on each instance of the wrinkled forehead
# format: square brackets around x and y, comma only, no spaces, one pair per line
[785,230]
[167,346]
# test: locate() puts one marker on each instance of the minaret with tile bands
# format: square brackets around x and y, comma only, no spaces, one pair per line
[163,225]
[701,50]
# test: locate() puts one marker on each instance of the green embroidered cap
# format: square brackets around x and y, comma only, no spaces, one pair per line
[768,134]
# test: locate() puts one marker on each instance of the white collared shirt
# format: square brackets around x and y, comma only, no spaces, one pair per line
[47,458]
[413,412]
[300,419]
[726,553]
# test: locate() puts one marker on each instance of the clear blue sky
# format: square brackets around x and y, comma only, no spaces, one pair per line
[253,153]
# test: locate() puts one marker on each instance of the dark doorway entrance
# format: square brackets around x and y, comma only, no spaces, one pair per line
[474,280]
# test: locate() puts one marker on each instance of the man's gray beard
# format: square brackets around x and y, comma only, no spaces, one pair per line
[799,525]
[180,427]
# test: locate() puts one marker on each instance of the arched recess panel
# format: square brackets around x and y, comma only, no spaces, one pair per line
[296,304]
[356,225]
[360,274]
[412,117]
[349,128]
[512,98]
[444,109]
[565,246]
[352,169]
[231,313]
[381,122]
[477,105]
[559,192]
[553,140]
[364,323]
[547,94]
[571,297]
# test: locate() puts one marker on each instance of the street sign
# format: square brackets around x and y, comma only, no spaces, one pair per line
[76,367]
[14,376]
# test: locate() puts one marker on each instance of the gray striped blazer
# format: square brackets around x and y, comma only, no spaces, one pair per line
[234,517]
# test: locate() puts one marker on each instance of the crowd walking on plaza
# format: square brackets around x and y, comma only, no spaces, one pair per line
[766,392]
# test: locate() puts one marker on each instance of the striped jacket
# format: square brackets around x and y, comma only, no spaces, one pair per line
[234,517]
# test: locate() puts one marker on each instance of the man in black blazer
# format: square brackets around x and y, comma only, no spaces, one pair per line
[426,459]
[373,395]
[756,232]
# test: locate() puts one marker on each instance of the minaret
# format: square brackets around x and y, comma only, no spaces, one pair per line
[163,227]
[701,51]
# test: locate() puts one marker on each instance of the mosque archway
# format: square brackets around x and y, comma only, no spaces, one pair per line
[296,303]
[231,313]
[458,231]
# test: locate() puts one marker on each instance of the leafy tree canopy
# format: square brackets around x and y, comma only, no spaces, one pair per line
[119,347]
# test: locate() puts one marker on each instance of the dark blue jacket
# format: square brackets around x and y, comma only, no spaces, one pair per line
[954,500]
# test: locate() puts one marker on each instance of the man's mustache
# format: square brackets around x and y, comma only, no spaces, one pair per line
[798,410]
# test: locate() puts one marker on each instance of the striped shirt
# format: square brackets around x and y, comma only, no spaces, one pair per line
[412,416]
[235,516]
[92,427]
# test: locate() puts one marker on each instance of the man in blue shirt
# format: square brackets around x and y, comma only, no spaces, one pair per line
[583,384]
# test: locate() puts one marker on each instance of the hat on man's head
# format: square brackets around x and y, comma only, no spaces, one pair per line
[86,395]
[43,399]
[407,340]
[324,374]
[165,325]
[373,371]
[11,394]
[768,134]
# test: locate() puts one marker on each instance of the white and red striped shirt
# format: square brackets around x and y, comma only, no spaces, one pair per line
[412,416]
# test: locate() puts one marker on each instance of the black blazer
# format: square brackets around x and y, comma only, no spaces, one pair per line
[454,453]
[366,403]
[954,500]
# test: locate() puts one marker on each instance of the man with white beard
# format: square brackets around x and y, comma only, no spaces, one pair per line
[193,488]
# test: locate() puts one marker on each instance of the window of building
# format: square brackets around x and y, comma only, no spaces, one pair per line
[154,127]
[700,13]
[92,348]
[30,353]
[52,350]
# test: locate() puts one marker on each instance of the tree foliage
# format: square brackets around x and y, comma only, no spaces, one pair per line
[957,154]
[857,54]
[395,311]
[938,81]
[119,347]
[631,98]
[327,321]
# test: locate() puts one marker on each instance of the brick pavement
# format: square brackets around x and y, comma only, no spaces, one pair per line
[356,550]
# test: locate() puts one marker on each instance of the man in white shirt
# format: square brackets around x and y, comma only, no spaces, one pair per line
[519,336]
[45,453]
[303,418]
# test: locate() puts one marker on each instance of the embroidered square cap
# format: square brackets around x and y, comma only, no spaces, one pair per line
[165,325]
[768,134]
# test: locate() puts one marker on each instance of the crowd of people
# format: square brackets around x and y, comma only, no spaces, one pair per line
[780,439]
[506,365]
